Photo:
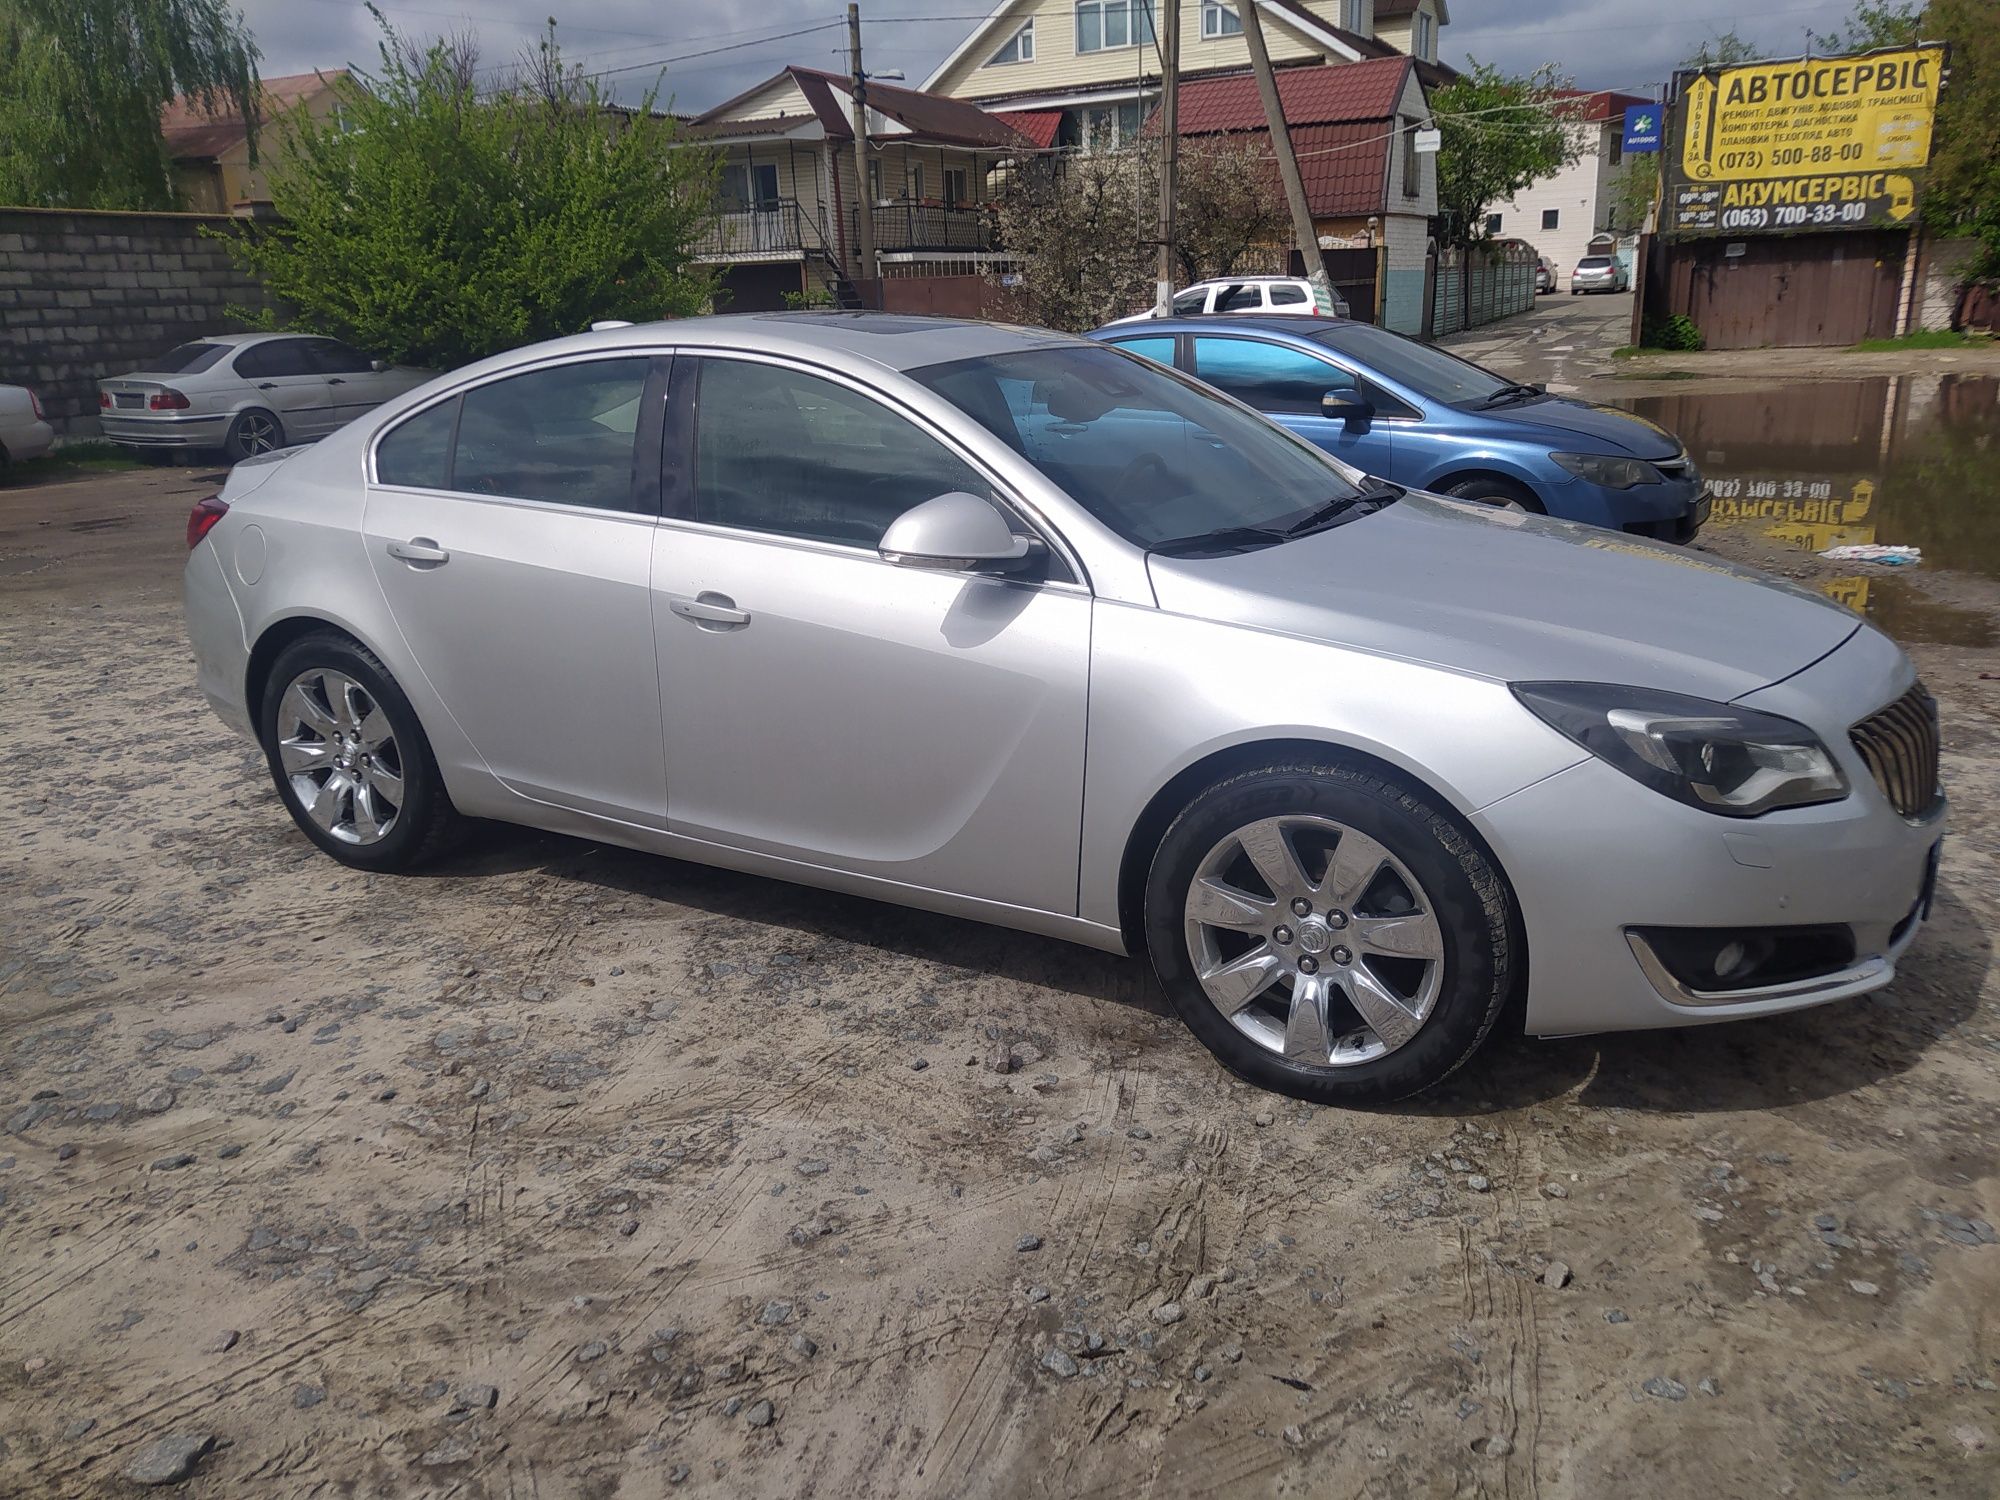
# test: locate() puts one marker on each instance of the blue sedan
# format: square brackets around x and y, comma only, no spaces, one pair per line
[1428,420]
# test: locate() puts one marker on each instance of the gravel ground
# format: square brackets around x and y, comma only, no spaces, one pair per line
[562,1170]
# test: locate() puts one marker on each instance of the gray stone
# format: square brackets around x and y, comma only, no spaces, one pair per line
[1167,1313]
[451,1451]
[222,1343]
[761,1414]
[595,1349]
[175,1162]
[476,1397]
[1665,1388]
[1478,1183]
[1060,1363]
[812,1168]
[1863,1288]
[159,1101]
[169,1460]
[1028,1242]
[775,1313]
[803,1346]
[79,1428]
[306,1397]
[1556,1276]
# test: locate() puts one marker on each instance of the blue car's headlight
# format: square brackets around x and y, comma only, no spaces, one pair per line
[1714,756]
[1612,473]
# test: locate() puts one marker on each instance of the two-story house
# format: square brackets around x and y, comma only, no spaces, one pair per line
[1583,209]
[1086,73]
[214,171]
[789,225]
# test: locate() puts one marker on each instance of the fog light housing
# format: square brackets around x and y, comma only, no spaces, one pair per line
[1713,960]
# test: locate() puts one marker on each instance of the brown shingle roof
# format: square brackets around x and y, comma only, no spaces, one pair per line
[193,132]
[926,117]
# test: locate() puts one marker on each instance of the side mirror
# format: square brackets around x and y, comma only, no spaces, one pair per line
[378,365]
[1346,404]
[953,532]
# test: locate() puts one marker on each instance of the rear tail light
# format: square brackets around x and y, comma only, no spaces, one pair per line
[36,402]
[104,400]
[202,519]
[167,401]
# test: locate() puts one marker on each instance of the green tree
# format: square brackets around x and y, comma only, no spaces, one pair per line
[1074,225]
[1963,195]
[82,84]
[435,222]
[1500,132]
[1876,23]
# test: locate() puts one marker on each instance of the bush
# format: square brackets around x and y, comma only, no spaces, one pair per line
[435,221]
[1676,333]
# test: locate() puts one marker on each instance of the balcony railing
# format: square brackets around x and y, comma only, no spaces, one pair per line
[767,230]
[929,226]
[784,229]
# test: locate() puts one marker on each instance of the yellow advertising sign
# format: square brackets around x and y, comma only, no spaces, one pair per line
[1836,142]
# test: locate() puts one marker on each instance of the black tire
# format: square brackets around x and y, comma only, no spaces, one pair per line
[426,824]
[255,430]
[1470,900]
[1489,489]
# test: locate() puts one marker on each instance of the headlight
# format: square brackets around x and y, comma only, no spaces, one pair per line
[1612,473]
[1722,759]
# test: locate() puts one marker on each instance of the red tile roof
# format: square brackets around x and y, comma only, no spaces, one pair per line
[1345,168]
[1336,94]
[192,131]
[1038,125]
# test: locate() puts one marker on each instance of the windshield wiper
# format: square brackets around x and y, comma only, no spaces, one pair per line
[1362,502]
[1222,539]
[1511,392]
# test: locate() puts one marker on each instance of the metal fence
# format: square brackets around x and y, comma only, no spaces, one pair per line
[1475,284]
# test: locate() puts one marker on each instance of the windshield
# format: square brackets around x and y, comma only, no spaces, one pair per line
[188,359]
[1428,372]
[1154,455]
[1595,262]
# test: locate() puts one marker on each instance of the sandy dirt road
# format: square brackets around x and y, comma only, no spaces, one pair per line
[561,1170]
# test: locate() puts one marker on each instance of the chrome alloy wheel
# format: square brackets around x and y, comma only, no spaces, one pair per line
[340,756]
[256,433]
[1314,941]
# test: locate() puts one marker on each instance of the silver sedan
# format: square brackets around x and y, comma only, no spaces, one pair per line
[1018,627]
[247,393]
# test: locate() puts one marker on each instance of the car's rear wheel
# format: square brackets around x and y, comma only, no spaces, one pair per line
[253,431]
[1329,934]
[350,759]
[1490,489]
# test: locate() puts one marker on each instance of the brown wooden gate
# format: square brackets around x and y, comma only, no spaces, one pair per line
[1784,292]
[1352,273]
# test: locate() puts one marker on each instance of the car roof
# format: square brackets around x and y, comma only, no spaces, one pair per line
[240,339]
[894,341]
[1300,330]
[1239,280]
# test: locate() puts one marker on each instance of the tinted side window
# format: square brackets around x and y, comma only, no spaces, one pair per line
[1270,377]
[1287,296]
[1241,299]
[783,451]
[564,434]
[280,357]
[331,357]
[418,452]
[1187,304]
[1159,348]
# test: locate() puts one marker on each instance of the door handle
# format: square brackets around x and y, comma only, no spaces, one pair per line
[709,609]
[267,385]
[335,380]
[420,550]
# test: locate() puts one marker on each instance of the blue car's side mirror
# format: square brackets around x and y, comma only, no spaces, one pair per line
[1346,404]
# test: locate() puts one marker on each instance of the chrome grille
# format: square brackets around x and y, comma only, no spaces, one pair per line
[1900,746]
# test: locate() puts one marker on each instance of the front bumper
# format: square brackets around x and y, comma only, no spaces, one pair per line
[164,429]
[1671,511]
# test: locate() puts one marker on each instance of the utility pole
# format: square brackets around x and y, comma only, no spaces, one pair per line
[1303,233]
[864,201]
[1170,145]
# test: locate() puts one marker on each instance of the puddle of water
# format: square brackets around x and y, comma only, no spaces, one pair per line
[1897,460]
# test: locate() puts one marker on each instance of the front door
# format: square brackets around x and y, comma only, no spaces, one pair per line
[511,531]
[285,380]
[825,706]
[353,384]
[1288,384]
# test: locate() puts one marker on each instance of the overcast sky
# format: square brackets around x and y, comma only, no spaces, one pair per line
[1602,43]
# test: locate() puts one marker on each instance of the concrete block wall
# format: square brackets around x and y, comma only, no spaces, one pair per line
[1940,268]
[84,295]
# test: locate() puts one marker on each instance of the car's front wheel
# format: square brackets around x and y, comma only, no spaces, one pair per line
[349,758]
[253,431]
[1328,933]
[1486,489]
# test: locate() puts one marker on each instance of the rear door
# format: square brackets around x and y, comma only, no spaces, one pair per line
[284,379]
[511,531]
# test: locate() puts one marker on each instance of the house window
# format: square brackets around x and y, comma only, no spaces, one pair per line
[1617,138]
[1551,217]
[748,187]
[1020,47]
[1102,127]
[1219,20]
[1413,171]
[957,186]
[1423,36]
[1492,224]
[1104,24]
[917,182]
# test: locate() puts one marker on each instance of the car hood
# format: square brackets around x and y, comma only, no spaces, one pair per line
[1518,598]
[1578,426]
